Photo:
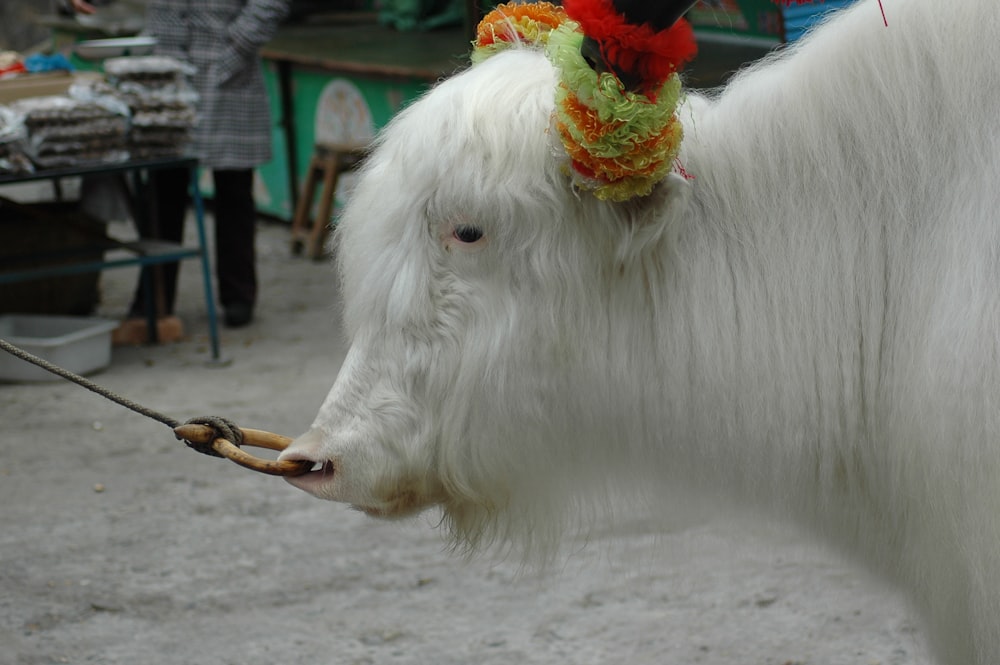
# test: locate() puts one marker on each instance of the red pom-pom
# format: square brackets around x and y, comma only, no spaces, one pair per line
[637,49]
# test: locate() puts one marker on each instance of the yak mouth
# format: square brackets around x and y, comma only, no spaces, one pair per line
[315,479]
[388,500]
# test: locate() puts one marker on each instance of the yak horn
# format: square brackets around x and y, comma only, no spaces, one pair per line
[659,15]
[640,42]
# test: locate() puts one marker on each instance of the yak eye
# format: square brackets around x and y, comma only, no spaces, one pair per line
[468,233]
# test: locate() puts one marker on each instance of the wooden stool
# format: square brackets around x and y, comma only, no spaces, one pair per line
[328,162]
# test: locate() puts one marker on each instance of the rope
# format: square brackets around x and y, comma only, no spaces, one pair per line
[225,428]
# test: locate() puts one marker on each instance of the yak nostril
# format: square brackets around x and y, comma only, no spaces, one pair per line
[323,468]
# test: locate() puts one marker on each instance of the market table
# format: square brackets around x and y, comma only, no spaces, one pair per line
[146,251]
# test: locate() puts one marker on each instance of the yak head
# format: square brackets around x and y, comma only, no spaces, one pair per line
[491,307]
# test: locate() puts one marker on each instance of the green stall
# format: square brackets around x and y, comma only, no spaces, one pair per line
[339,82]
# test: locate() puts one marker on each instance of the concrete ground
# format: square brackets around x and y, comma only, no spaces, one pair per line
[118,545]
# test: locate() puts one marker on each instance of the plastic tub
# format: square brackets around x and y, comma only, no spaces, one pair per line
[81,345]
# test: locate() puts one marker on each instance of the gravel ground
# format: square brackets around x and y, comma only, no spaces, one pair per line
[118,545]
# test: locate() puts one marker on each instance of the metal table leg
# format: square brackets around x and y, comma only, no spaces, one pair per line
[206,268]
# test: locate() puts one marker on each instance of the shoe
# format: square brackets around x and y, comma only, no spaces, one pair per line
[238,315]
[133,331]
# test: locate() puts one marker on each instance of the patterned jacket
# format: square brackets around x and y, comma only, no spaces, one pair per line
[222,39]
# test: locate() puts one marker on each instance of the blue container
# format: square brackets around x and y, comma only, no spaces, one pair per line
[799,18]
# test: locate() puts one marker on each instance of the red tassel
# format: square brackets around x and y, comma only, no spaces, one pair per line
[638,49]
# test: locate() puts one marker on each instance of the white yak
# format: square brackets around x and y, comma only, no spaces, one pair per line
[809,323]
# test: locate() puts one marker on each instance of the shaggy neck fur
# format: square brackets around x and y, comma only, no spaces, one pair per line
[842,251]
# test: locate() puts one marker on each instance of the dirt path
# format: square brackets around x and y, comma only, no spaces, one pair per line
[120,546]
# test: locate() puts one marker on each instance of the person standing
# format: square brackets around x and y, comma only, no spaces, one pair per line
[222,39]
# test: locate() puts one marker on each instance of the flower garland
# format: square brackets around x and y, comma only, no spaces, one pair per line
[620,143]
[615,142]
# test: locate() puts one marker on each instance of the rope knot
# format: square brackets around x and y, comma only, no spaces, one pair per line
[224,429]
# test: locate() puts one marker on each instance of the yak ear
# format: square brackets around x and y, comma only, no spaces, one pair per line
[652,221]
[668,200]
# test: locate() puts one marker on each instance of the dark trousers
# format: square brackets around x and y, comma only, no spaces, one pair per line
[235,216]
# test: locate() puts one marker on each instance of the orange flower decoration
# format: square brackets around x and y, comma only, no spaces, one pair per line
[512,23]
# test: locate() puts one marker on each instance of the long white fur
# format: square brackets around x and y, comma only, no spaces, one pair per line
[810,325]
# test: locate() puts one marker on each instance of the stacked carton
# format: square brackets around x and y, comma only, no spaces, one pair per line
[64,131]
[161,102]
